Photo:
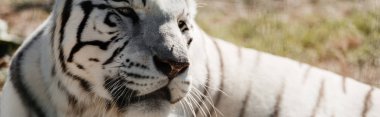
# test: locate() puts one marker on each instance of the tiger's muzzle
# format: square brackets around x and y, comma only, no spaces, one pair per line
[169,67]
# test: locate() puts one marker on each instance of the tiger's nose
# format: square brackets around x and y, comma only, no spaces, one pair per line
[170,68]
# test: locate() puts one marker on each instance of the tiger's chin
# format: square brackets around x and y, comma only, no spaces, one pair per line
[145,110]
[155,104]
[158,96]
[150,107]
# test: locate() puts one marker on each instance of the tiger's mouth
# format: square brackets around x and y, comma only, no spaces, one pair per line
[160,94]
[156,98]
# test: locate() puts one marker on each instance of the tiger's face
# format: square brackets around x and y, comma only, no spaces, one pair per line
[132,52]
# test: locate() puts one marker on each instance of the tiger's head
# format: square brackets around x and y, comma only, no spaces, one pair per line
[131,52]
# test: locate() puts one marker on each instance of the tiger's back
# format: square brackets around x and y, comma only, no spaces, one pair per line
[258,84]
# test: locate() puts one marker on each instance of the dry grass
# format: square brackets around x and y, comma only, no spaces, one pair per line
[338,35]
[23,16]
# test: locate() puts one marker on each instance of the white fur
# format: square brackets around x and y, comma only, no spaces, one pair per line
[275,86]
[271,75]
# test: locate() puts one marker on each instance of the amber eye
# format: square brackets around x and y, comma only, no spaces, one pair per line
[183,26]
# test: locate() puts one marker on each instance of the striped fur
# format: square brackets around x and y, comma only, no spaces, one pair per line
[99,58]
[256,84]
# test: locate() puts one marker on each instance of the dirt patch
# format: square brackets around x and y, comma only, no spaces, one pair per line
[24,20]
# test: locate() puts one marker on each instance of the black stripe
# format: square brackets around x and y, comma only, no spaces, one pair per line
[52,36]
[127,1]
[144,2]
[70,98]
[189,41]
[246,99]
[319,99]
[65,16]
[221,86]
[108,21]
[344,84]
[83,83]
[79,66]
[87,8]
[93,59]
[26,96]
[279,98]
[367,102]
[248,93]
[80,45]
[115,53]
[66,13]
[53,71]
[306,75]
[73,102]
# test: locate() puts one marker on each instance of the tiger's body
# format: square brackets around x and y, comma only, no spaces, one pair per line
[257,84]
[98,58]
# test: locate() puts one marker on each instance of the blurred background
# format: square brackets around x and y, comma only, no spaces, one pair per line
[342,36]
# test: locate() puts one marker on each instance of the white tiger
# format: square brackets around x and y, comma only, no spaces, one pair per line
[148,58]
